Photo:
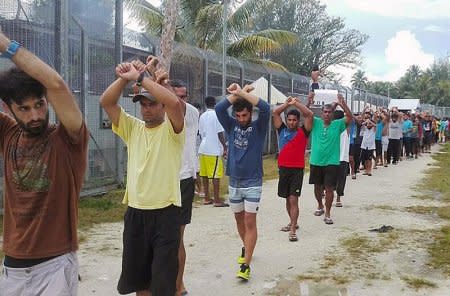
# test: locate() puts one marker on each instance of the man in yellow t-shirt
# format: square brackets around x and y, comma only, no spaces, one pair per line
[155,144]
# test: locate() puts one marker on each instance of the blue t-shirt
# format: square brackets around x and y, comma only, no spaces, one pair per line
[379,132]
[285,135]
[245,144]
[407,126]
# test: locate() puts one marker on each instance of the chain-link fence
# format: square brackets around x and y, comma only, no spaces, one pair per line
[79,39]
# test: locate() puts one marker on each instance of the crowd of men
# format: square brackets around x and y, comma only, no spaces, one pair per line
[169,150]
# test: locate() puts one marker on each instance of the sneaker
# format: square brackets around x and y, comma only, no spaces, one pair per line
[244,272]
[241,258]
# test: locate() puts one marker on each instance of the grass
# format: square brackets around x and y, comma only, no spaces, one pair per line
[418,283]
[437,184]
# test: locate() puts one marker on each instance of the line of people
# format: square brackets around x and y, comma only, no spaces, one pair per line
[45,165]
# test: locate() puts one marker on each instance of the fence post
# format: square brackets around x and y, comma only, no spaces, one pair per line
[118,55]
[62,37]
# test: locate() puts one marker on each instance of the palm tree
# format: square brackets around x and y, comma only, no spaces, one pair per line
[359,79]
[199,24]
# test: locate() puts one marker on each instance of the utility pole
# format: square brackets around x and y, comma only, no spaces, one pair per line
[224,46]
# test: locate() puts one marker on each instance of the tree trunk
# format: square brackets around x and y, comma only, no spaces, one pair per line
[168,32]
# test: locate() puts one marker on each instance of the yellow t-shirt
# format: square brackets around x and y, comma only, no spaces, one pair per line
[154,160]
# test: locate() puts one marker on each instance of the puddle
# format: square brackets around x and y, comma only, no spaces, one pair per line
[285,287]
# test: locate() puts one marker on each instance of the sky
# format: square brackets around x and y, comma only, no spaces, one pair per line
[401,33]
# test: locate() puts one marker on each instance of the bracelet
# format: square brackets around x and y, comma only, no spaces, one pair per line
[140,78]
[11,50]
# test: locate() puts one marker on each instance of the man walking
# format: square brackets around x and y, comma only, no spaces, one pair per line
[292,141]
[154,145]
[188,173]
[244,163]
[211,149]
[43,174]
[325,150]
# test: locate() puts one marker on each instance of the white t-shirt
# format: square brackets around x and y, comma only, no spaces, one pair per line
[368,140]
[189,159]
[209,128]
[345,146]
[395,130]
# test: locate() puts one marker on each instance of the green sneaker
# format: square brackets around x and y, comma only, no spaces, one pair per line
[244,272]
[241,258]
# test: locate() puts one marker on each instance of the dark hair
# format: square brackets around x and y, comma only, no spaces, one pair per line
[315,67]
[210,102]
[16,86]
[327,106]
[241,104]
[177,83]
[293,112]
[338,114]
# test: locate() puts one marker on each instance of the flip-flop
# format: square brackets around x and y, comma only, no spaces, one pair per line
[339,204]
[319,212]
[293,237]
[221,205]
[184,293]
[288,228]
[208,202]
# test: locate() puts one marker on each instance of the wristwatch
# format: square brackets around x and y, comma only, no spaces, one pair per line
[11,50]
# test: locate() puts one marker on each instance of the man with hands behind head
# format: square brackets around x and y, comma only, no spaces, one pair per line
[43,174]
[292,141]
[244,163]
[155,145]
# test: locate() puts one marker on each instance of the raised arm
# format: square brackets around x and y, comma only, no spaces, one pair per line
[237,92]
[58,93]
[307,113]
[347,111]
[276,113]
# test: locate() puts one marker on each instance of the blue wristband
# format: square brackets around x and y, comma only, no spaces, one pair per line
[11,50]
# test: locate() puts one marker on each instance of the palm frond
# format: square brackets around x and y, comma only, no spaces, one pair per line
[208,25]
[239,20]
[267,63]
[261,43]
[146,14]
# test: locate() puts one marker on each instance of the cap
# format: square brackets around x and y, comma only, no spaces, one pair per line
[144,94]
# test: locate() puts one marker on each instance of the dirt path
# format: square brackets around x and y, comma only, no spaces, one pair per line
[376,268]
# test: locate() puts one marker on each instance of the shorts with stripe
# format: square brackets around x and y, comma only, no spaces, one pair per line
[245,195]
[211,166]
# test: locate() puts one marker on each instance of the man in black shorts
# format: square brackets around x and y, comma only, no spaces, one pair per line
[325,150]
[188,174]
[292,142]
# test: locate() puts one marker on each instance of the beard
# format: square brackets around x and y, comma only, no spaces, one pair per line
[31,128]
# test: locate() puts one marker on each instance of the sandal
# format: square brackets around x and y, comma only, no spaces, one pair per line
[319,212]
[287,228]
[339,204]
[208,202]
[328,220]
[221,205]
[293,237]
[353,177]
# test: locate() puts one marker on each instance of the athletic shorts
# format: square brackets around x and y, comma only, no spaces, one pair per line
[211,166]
[150,251]
[57,276]
[366,154]
[245,199]
[378,148]
[290,182]
[187,188]
[323,175]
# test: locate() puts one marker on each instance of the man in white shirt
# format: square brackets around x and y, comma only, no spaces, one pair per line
[210,152]
[188,174]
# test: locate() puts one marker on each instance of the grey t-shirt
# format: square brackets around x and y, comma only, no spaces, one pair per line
[395,130]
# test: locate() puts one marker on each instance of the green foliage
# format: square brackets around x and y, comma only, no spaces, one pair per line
[431,85]
[322,39]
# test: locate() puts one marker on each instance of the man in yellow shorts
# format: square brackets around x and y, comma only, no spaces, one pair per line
[210,152]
